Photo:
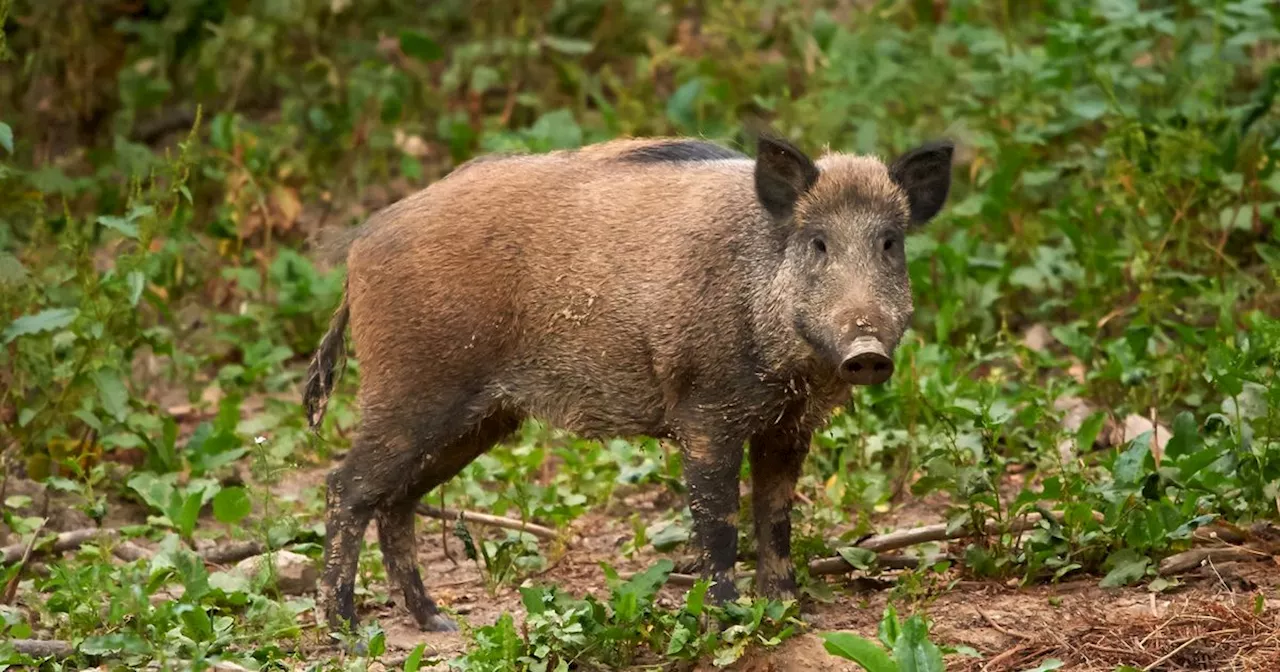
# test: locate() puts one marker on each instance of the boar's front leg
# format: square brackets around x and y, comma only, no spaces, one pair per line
[777,456]
[712,465]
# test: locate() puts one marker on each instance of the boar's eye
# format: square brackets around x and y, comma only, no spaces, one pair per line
[889,243]
[819,245]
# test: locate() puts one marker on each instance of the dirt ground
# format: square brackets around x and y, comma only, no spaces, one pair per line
[1221,617]
[1211,622]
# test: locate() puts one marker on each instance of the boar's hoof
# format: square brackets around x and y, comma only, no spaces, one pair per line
[437,623]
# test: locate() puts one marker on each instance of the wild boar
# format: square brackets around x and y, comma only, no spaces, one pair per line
[664,287]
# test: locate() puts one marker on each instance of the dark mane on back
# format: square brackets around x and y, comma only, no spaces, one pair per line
[677,151]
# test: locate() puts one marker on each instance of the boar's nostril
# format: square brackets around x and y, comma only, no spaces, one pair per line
[866,363]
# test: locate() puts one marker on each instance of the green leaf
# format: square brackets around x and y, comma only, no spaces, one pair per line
[12,271]
[1128,468]
[889,629]
[1088,432]
[696,597]
[231,505]
[112,393]
[914,652]
[857,557]
[6,137]
[679,639]
[124,225]
[1089,104]
[188,513]
[414,661]
[1127,567]
[1046,666]
[568,45]
[858,649]
[419,46]
[137,282]
[377,644]
[680,106]
[45,320]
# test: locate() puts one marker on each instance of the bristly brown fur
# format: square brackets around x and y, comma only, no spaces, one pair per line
[666,287]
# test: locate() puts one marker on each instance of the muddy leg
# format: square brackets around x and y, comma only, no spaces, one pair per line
[712,465]
[347,515]
[399,553]
[396,519]
[776,460]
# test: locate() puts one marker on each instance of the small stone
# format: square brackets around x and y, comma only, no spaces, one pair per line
[1037,337]
[295,573]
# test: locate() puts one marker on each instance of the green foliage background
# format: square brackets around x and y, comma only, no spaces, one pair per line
[168,168]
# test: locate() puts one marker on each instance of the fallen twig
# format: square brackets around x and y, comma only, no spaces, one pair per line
[11,590]
[42,648]
[125,550]
[486,519]
[820,567]
[1189,560]
[234,552]
[65,541]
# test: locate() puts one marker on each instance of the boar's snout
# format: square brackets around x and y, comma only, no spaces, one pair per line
[866,362]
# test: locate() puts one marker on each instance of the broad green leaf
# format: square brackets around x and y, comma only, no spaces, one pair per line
[45,320]
[914,652]
[860,650]
[124,225]
[889,629]
[1128,468]
[1127,567]
[414,661]
[231,505]
[1088,432]
[6,137]
[112,393]
[419,46]
[377,644]
[679,639]
[857,557]
[696,597]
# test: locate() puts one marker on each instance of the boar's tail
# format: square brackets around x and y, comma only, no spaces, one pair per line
[320,378]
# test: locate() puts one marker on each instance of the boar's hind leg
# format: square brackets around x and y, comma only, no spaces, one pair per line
[396,518]
[347,513]
[776,459]
[712,465]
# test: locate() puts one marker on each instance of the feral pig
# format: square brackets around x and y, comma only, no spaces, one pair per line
[662,287]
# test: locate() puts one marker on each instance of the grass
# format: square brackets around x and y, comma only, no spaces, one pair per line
[166,172]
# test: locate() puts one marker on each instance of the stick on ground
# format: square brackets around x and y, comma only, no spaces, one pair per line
[486,519]
[41,648]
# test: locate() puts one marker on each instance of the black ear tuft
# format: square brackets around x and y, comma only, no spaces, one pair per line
[783,175]
[925,174]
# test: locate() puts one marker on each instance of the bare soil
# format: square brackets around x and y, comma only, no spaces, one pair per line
[1220,618]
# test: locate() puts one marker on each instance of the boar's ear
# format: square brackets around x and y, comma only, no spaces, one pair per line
[925,174]
[783,175]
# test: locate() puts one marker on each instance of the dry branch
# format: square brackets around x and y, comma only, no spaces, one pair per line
[65,541]
[820,567]
[41,648]
[234,552]
[1189,560]
[486,519]
[126,550]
